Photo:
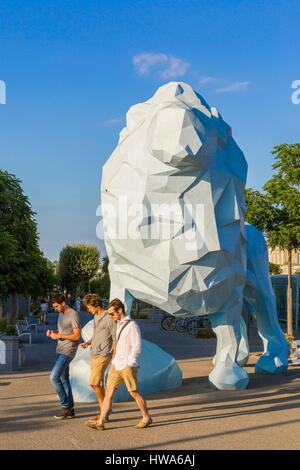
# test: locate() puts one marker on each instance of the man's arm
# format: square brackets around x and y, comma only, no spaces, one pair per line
[113,331]
[114,347]
[75,336]
[136,344]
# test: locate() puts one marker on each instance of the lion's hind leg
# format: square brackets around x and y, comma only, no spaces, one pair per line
[244,350]
[259,293]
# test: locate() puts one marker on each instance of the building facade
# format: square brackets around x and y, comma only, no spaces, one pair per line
[280,257]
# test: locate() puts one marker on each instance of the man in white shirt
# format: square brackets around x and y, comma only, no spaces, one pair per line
[44,311]
[124,365]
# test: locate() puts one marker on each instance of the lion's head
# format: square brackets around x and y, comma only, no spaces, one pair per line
[176,152]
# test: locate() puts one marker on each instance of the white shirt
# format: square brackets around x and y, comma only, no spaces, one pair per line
[129,346]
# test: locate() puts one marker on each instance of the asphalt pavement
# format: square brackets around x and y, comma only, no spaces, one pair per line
[265,416]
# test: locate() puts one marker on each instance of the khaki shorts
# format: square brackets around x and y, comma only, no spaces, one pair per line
[117,377]
[98,368]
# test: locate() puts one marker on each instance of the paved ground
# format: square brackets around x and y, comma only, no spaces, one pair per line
[265,416]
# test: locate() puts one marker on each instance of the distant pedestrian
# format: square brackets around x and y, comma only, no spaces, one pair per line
[78,304]
[44,312]
[124,365]
[69,299]
[102,345]
[67,336]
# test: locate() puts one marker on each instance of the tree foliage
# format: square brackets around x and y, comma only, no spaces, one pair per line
[274,268]
[22,265]
[78,263]
[101,283]
[260,211]
[276,211]
[283,191]
[8,251]
[47,278]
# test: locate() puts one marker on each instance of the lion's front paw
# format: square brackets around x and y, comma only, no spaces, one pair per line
[228,376]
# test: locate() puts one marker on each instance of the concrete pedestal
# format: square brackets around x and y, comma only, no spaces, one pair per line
[9,355]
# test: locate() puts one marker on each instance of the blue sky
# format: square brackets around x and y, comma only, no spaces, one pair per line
[72,68]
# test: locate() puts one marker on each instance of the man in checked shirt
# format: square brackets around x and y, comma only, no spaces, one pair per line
[124,365]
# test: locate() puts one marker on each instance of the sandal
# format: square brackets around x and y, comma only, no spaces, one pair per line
[95,425]
[143,424]
[96,418]
[93,419]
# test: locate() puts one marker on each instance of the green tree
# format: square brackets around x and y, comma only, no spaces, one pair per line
[276,210]
[55,266]
[8,250]
[104,265]
[22,265]
[274,268]
[46,278]
[101,283]
[78,264]
[260,211]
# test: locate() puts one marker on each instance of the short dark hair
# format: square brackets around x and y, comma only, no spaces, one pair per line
[93,299]
[116,304]
[58,299]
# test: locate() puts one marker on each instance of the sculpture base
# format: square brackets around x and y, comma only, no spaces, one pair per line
[158,371]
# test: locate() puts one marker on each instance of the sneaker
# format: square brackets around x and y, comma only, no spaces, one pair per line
[66,413]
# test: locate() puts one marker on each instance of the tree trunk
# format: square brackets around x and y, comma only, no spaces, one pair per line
[17,307]
[289,296]
[14,313]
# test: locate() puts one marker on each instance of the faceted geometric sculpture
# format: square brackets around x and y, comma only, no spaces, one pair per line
[173,212]
[260,295]
[157,371]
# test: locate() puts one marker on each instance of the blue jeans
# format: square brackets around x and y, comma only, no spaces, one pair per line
[60,379]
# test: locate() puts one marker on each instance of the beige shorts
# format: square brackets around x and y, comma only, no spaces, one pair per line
[98,368]
[117,377]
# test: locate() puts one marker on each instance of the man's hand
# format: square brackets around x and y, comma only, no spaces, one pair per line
[54,335]
[85,345]
[48,333]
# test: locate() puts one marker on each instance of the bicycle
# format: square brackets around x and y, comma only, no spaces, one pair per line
[181,324]
[168,323]
[197,323]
